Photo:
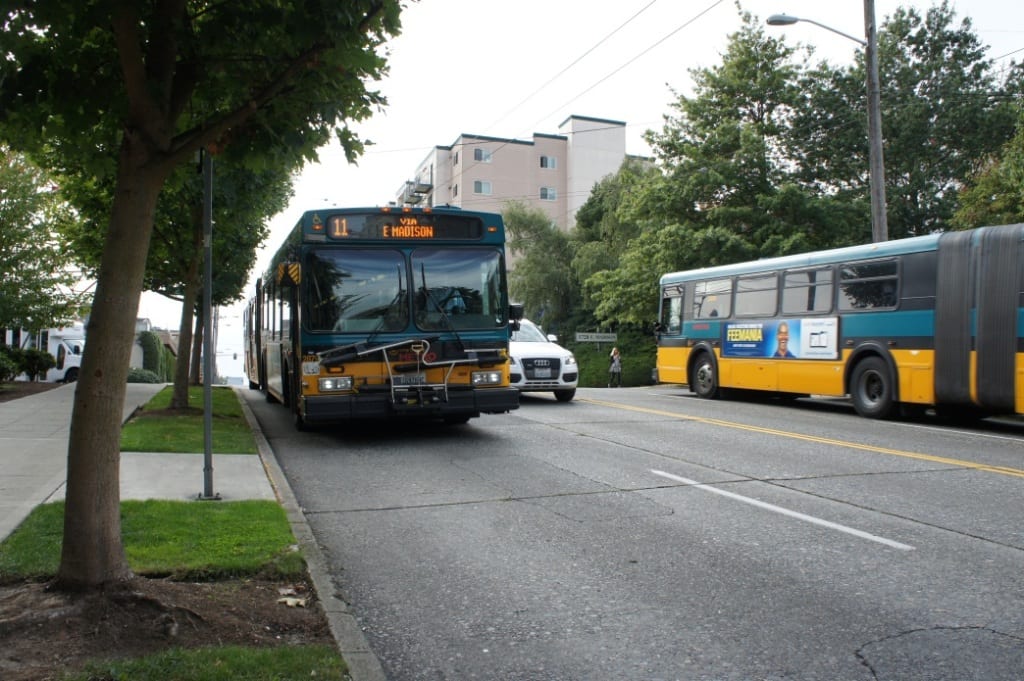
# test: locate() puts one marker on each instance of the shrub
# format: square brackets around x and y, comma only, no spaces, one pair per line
[136,375]
[37,362]
[151,347]
[8,367]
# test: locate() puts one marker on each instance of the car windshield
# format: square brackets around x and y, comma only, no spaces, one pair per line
[529,333]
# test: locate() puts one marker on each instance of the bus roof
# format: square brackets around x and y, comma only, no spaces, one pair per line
[917,244]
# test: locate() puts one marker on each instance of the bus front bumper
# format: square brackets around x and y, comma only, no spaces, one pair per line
[410,403]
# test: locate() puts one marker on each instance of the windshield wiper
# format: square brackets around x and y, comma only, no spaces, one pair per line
[440,307]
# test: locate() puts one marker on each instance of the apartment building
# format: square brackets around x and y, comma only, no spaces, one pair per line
[552,172]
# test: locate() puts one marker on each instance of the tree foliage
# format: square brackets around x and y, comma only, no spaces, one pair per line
[996,194]
[541,278]
[129,92]
[37,276]
[944,110]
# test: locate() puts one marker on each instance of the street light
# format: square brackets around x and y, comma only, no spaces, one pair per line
[879,221]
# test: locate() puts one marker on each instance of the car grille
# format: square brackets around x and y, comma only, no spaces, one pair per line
[539,369]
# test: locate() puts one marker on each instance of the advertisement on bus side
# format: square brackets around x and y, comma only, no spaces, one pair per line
[801,338]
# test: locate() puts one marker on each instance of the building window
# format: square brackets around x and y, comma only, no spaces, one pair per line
[455,190]
[482,155]
[548,162]
[455,160]
[548,194]
[481,187]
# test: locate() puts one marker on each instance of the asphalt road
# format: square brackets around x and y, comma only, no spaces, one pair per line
[644,534]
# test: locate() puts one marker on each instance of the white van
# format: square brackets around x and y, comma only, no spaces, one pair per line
[66,344]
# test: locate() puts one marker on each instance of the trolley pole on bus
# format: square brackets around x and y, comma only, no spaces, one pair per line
[876,161]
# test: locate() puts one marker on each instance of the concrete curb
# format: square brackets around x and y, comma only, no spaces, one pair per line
[363,665]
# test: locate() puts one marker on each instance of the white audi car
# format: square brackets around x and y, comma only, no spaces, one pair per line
[539,364]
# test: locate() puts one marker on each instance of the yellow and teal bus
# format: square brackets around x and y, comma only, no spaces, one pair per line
[934,321]
[385,312]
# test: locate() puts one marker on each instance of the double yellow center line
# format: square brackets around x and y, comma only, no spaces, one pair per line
[961,463]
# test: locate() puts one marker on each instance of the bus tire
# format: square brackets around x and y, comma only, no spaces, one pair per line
[71,376]
[705,378]
[871,389]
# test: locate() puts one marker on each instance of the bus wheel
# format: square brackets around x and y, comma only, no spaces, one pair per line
[71,376]
[871,389]
[705,382]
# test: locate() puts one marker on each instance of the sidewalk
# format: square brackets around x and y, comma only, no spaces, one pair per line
[33,469]
[33,459]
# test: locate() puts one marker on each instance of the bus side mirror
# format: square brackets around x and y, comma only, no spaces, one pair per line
[656,329]
[515,313]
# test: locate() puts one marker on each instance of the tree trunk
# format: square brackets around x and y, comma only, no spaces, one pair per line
[92,555]
[197,351]
[179,400]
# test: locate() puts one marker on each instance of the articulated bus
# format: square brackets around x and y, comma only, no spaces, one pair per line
[385,312]
[901,326]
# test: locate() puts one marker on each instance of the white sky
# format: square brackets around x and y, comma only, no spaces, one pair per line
[530,64]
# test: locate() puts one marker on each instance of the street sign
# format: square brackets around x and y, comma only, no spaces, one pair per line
[593,337]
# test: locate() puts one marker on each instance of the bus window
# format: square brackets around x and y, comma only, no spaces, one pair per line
[712,299]
[807,292]
[868,285]
[757,295]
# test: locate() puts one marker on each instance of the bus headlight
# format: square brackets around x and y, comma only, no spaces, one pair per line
[335,383]
[486,378]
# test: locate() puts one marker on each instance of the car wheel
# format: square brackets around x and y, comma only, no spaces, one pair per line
[565,395]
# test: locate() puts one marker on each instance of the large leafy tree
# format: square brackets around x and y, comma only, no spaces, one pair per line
[267,80]
[37,277]
[722,149]
[944,110]
[541,277]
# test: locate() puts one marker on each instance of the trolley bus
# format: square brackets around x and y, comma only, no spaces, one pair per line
[927,322]
[385,312]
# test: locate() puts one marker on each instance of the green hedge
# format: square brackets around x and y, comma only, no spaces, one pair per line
[156,358]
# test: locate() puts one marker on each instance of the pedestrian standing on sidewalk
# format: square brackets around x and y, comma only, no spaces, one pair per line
[615,369]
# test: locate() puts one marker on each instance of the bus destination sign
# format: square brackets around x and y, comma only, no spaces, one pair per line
[418,227]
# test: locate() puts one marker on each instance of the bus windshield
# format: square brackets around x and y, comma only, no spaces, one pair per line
[458,288]
[366,290]
[355,291]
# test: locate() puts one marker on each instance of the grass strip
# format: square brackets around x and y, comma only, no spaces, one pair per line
[158,429]
[226,663]
[185,540]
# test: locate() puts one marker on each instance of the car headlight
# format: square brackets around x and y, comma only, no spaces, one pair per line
[486,378]
[570,361]
[334,384]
